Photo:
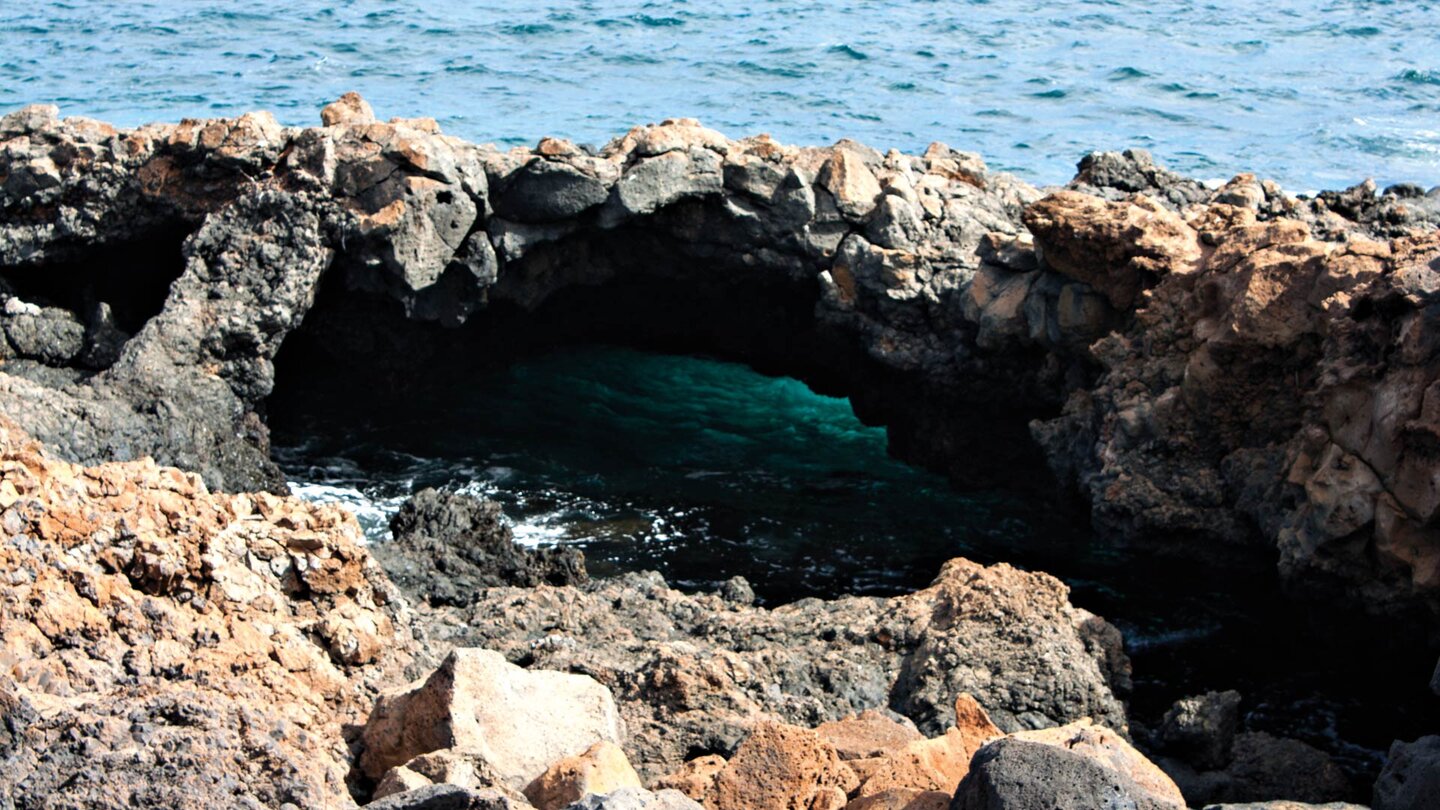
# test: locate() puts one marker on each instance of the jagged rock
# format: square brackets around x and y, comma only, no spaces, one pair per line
[1201,729]
[476,703]
[600,770]
[689,676]
[1017,774]
[1117,175]
[164,646]
[548,191]
[780,766]
[1119,249]
[937,764]
[448,546]
[1410,779]
[445,767]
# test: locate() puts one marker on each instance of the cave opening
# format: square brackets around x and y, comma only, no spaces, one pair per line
[78,311]
[706,424]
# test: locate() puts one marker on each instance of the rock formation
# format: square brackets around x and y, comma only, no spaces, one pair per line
[1213,369]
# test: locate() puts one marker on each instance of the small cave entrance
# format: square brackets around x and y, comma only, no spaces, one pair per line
[78,312]
[703,426]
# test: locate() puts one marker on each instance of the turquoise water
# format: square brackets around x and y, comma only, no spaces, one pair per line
[701,468]
[1315,93]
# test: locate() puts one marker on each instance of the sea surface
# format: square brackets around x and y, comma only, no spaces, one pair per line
[1313,93]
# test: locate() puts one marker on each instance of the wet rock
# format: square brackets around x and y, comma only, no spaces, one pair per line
[519,721]
[448,546]
[1201,729]
[600,770]
[1410,779]
[1016,774]
[780,766]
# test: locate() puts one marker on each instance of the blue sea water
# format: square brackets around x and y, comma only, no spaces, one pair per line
[1313,93]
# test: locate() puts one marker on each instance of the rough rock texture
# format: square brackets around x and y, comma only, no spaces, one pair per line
[870,733]
[600,769]
[1226,379]
[1111,750]
[694,674]
[1281,804]
[1411,778]
[937,764]
[695,778]
[165,647]
[519,721]
[902,799]
[448,797]
[1014,774]
[445,767]
[781,767]
[448,546]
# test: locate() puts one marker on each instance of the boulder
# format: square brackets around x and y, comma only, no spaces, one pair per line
[1283,804]
[1410,779]
[1263,767]
[548,191]
[1017,774]
[447,767]
[348,109]
[1112,751]
[1201,729]
[601,769]
[781,767]
[477,703]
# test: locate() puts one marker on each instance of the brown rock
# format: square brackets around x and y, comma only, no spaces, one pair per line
[601,769]
[781,767]
[695,778]
[348,109]
[1119,248]
[868,734]
[853,184]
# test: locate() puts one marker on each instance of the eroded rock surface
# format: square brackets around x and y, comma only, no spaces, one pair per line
[162,646]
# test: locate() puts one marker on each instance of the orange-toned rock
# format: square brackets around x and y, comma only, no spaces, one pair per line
[937,764]
[601,769]
[782,767]
[868,734]
[348,109]
[695,778]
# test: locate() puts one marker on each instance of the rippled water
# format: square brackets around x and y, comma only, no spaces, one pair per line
[1315,93]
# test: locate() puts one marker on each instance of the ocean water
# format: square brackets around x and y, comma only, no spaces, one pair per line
[1313,93]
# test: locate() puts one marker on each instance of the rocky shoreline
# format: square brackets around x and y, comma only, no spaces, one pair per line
[1230,374]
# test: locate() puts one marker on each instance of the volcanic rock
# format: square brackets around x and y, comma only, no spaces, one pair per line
[600,770]
[1017,774]
[782,767]
[1411,777]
